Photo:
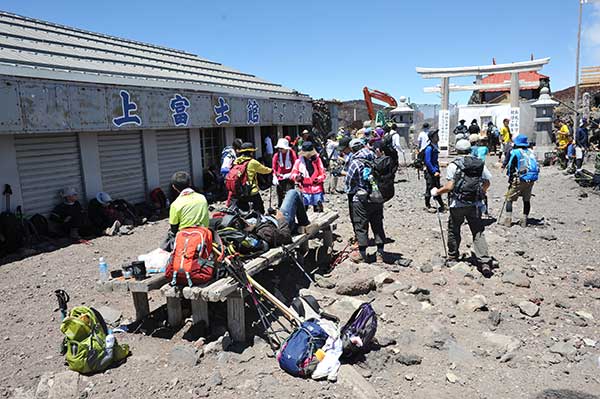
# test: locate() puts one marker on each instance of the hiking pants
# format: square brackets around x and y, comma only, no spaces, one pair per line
[363,215]
[257,203]
[283,186]
[432,181]
[456,218]
[293,209]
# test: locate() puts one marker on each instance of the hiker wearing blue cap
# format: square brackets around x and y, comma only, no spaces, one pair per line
[523,171]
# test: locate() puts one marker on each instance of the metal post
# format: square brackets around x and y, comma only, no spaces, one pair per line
[576,102]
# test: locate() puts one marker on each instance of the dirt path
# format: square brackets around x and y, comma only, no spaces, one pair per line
[497,352]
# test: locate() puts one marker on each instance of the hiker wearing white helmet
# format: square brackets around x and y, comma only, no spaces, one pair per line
[468,182]
[283,162]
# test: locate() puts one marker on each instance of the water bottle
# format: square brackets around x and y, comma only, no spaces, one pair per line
[108,354]
[103,269]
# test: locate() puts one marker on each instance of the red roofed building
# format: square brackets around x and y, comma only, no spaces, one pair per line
[530,89]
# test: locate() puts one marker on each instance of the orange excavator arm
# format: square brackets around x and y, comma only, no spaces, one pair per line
[378,95]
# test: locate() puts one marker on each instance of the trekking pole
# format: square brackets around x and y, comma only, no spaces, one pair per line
[63,299]
[288,254]
[442,232]
[503,205]
[271,211]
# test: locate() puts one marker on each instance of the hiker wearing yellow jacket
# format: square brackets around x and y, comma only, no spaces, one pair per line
[563,139]
[253,169]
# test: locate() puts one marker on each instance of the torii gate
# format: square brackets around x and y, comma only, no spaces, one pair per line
[446,73]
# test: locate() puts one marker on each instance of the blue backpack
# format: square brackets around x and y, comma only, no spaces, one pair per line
[527,167]
[297,354]
[363,325]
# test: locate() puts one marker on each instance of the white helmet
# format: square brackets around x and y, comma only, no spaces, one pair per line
[463,146]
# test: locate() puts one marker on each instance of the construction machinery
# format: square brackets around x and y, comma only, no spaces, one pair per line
[380,116]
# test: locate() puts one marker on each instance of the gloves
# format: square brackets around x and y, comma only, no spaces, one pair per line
[275,180]
[434,192]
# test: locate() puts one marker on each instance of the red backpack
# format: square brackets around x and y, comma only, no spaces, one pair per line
[236,181]
[191,261]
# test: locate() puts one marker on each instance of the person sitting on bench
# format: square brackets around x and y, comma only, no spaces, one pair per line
[190,209]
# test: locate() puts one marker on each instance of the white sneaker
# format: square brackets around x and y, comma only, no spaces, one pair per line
[114,229]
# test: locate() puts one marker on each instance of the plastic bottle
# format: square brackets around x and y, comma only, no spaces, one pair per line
[108,354]
[103,269]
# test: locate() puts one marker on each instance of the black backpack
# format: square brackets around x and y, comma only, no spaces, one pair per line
[468,183]
[10,233]
[385,170]
[388,146]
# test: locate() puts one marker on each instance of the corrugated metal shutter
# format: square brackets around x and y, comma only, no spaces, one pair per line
[47,164]
[173,148]
[122,165]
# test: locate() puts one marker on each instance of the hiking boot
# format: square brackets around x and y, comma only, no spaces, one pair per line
[356,257]
[507,221]
[310,229]
[523,221]
[442,209]
[431,209]
[114,229]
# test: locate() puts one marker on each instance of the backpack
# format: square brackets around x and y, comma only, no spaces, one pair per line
[528,168]
[297,353]
[388,146]
[371,179]
[468,183]
[40,223]
[385,171]
[158,198]
[85,341]
[10,233]
[363,325]
[238,241]
[191,262]
[236,181]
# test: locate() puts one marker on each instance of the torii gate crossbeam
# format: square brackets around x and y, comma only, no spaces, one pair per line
[446,73]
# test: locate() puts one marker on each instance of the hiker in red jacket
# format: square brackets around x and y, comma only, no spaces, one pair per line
[283,162]
[309,174]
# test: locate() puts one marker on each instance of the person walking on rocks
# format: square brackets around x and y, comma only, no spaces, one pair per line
[468,181]
[523,171]
[432,172]
[364,212]
[505,137]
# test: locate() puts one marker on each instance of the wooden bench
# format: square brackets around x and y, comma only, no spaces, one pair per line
[227,289]
[139,290]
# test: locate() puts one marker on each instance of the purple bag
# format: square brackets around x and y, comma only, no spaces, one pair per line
[363,325]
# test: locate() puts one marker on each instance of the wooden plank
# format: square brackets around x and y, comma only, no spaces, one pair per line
[152,283]
[199,311]
[236,317]
[174,311]
[141,305]
[220,289]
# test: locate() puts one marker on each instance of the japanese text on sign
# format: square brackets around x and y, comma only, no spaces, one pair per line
[221,111]
[127,109]
[515,114]
[253,112]
[444,126]
[179,106]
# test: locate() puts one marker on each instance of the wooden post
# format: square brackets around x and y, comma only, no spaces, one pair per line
[236,317]
[174,312]
[141,305]
[199,311]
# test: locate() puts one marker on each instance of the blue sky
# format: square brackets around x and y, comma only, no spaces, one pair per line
[332,48]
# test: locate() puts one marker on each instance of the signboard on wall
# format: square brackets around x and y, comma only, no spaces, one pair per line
[515,120]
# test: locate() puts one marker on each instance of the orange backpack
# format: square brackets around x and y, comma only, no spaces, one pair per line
[191,261]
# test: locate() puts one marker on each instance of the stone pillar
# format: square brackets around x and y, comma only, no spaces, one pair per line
[258,141]
[196,154]
[444,117]
[515,111]
[544,115]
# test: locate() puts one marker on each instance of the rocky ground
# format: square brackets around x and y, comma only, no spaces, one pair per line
[530,331]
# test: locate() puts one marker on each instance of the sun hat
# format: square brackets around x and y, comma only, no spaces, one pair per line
[463,145]
[69,191]
[521,141]
[247,147]
[308,149]
[283,144]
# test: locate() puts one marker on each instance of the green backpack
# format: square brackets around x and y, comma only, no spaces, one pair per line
[85,341]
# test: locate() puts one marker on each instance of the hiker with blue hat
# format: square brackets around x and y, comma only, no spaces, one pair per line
[523,171]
